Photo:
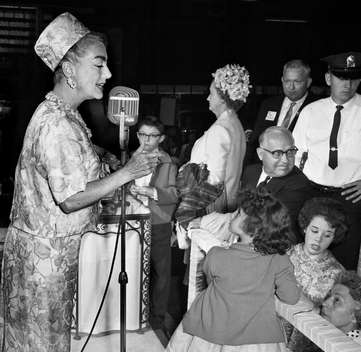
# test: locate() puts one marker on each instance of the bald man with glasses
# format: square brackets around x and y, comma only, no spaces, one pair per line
[278,173]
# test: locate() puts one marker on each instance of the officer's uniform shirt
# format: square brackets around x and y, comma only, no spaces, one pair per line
[312,135]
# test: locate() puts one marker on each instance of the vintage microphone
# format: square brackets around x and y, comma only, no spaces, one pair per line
[123,107]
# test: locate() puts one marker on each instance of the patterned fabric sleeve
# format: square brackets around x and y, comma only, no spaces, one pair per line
[62,157]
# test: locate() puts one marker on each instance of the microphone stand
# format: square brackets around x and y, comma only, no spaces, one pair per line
[123,277]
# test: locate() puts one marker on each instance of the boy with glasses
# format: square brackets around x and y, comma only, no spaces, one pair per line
[158,192]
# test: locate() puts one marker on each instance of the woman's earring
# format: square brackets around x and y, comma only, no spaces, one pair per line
[71,83]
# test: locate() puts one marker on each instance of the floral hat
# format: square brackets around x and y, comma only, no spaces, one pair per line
[233,80]
[58,37]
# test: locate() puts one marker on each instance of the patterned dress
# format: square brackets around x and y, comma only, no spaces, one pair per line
[355,335]
[316,277]
[41,248]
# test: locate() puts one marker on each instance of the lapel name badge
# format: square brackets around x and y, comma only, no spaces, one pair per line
[271,115]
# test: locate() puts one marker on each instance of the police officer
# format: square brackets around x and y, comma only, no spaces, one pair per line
[328,136]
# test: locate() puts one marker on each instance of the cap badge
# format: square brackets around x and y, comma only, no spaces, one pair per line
[350,61]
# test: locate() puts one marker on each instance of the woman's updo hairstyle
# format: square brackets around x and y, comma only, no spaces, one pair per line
[232,85]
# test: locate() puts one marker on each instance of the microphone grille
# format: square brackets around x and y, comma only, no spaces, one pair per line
[124,92]
[126,100]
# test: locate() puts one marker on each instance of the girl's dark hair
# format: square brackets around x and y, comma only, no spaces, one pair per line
[267,221]
[232,104]
[331,210]
[151,121]
[78,50]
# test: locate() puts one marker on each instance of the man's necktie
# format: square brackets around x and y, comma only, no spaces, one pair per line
[332,158]
[264,182]
[287,119]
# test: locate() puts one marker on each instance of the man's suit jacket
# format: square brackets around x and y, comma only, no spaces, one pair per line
[273,105]
[292,190]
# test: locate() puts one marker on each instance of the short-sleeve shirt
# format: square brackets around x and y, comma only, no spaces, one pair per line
[57,161]
[312,136]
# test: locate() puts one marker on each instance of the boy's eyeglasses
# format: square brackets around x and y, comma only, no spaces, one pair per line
[150,136]
[277,154]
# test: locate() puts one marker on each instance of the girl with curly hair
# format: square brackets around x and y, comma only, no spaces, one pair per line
[323,222]
[236,312]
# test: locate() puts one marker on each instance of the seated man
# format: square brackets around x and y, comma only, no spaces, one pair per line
[278,173]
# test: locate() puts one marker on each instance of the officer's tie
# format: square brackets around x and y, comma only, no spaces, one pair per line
[332,159]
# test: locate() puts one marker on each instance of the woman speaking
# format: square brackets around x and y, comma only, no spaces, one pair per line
[58,183]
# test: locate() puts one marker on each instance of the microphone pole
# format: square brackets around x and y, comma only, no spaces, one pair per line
[123,277]
[123,110]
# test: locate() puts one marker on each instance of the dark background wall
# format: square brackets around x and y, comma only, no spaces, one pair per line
[182,41]
[164,42]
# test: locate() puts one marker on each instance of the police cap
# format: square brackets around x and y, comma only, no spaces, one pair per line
[345,65]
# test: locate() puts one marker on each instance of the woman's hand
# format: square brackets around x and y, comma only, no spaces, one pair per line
[352,191]
[141,163]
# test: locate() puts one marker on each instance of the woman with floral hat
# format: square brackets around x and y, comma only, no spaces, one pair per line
[222,147]
[57,186]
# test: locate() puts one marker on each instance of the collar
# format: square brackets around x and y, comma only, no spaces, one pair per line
[345,105]
[297,102]
[69,112]
[263,176]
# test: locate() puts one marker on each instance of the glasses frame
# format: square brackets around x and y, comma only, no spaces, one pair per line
[150,136]
[278,153]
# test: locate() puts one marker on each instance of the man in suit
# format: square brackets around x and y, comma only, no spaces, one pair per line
[283,110]
[278,173]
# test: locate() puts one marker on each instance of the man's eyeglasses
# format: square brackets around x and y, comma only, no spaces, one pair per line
[278,153]
[150,136]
